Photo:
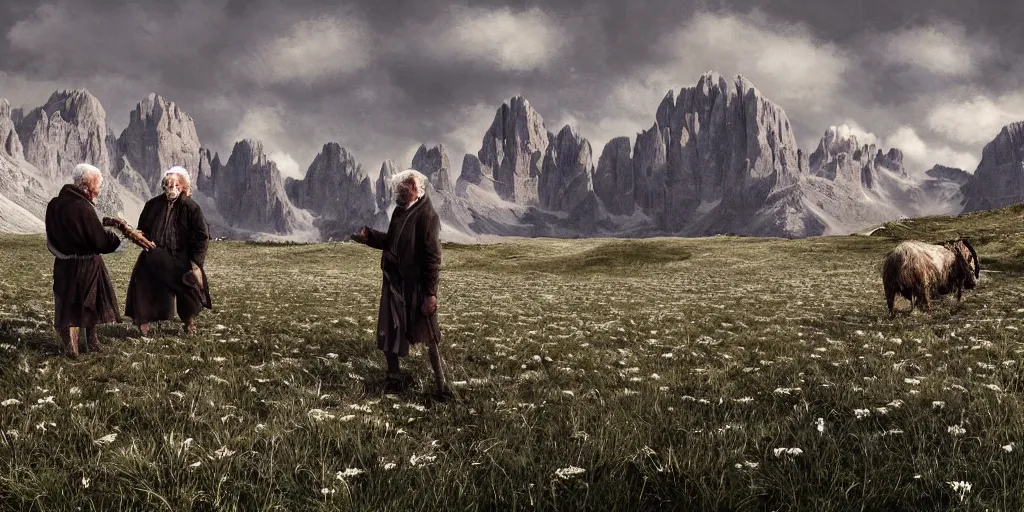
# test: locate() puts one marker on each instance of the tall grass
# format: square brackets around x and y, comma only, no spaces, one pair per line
[721,374]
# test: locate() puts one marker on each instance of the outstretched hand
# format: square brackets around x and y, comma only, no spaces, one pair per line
[136,236]
[361,236]
[139,239]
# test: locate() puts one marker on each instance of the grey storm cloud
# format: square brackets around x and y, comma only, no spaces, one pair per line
[936,78]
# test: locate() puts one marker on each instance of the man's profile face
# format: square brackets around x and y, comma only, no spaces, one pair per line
[406,193]
[95,185]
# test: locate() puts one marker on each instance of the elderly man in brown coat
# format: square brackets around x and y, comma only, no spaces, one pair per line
[171,276]
[83,295]
[411,264]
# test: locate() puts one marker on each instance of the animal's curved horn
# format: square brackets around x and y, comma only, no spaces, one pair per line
[974,254]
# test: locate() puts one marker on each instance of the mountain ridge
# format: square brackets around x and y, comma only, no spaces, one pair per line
[719,157]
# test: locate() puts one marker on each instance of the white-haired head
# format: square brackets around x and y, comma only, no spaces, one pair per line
[176,182]
[412,179]
[88,179]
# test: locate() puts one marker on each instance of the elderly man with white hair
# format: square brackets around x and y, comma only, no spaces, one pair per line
[82,291]
[411,264]
[172,275]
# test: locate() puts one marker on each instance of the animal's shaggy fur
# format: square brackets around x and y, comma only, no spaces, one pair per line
[918,271]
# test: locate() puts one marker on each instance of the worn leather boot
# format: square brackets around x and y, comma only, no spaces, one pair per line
[190,327]
[93,340]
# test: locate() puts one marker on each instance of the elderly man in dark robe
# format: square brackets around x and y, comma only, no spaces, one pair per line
[171,276]
[411,264]
[83,294]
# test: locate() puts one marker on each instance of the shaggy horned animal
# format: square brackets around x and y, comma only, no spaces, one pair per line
[918,271]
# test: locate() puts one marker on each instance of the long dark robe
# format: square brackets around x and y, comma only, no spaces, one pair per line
[82,291]
[411,264]
[160,281]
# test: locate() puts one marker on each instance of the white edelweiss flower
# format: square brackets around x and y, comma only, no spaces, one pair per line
[10,402]
[956,430]
[569,472]
[223,452]
[319,415]
[348,473]
[421,460]
[862,413]
[960,487]
[107,439]
[938,404]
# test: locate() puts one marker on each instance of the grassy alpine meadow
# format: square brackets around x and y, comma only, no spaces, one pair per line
[674,374]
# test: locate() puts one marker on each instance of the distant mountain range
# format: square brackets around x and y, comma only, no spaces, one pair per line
[719,158]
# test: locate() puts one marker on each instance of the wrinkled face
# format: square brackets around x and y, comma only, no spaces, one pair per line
[173,186]
[97,186]
[406,192]
[92,187]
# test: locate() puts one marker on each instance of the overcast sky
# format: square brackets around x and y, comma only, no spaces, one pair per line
[936,78]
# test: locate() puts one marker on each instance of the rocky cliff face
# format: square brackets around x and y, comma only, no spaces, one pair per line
[71,128]
[336,189]
[382,188]
[160,135]
[851,186]
[474,173]
[435,165]
[725,145]
[250,193]
[10,143]
[717,149]
[650,170]
[513,148]
[209,167]
[613,178]
[840,158]
[566,178]
[999,179]
[958,176]
[23,197]
[130,179]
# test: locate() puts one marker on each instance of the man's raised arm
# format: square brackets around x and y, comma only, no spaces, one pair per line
[370,237]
